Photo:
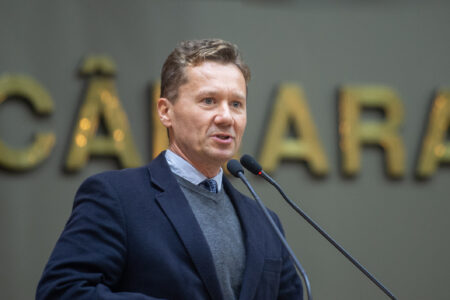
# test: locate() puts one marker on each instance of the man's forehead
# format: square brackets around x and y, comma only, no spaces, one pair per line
[210,69]
[211,72]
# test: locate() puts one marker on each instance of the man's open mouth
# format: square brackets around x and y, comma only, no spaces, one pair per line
[223,136]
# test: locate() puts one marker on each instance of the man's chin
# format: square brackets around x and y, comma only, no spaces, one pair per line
[222,156]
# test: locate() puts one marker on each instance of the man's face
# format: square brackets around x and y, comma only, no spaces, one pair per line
[207,121]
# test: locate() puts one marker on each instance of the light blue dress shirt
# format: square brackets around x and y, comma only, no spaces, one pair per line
[182,168]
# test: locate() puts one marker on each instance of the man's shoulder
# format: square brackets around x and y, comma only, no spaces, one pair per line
[120,175]
[134,175]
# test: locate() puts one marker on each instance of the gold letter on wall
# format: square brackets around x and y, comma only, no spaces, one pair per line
[291,108]
[41,102]
[101,100]
[435,148]
[354,133]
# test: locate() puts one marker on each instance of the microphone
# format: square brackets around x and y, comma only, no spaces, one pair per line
[253,166]
[235,168]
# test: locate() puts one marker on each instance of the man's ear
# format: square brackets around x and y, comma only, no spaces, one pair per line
[164,107]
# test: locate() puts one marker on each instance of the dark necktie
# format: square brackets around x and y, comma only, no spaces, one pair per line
[209,184]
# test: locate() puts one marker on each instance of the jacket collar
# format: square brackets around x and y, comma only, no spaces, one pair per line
[175,206]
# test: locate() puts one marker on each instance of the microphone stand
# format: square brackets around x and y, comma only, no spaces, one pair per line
[325,235]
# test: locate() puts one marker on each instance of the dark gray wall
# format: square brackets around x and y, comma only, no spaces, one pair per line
[397,229]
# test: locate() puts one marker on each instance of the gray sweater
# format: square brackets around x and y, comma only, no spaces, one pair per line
[217,219]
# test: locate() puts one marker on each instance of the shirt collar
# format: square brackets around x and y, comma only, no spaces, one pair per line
[182,168]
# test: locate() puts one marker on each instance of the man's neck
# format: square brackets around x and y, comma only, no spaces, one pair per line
[209,170]
[179,166]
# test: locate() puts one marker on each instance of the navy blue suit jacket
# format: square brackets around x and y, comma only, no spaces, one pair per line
[132,235]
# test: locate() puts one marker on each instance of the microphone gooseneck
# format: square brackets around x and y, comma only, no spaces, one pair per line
[235,168]
[253,166]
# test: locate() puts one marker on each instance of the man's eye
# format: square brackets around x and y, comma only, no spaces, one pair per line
[208,100]
[236,104]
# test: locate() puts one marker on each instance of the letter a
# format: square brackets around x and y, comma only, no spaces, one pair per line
[435,148]
[101,100]
[291,108]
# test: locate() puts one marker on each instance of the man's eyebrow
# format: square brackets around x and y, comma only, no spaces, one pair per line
[204,93]
[239,96]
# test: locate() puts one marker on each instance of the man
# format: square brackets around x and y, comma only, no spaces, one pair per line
[176,228]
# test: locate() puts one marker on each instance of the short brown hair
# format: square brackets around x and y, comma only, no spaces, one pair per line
[195,52]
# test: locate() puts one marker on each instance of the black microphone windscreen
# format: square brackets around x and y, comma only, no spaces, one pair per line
[251,164]
[234,167]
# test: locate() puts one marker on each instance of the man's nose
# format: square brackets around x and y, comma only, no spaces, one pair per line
[224,115]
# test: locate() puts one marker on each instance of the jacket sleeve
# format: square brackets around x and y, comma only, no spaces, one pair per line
[290,284]
[90,255]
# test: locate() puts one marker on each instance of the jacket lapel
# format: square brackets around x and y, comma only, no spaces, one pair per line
[177,209]
[254,240]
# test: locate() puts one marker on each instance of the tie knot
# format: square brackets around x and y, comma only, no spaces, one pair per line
[210,185]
